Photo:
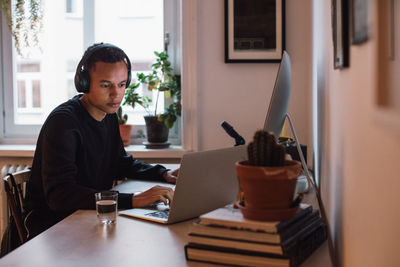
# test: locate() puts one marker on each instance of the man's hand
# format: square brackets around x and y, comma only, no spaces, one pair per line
[156,193]
[171,176]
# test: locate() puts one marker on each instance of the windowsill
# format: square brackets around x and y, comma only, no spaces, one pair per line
[138,151]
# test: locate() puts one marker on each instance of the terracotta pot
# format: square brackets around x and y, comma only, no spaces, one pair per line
[268,187]
[125,131]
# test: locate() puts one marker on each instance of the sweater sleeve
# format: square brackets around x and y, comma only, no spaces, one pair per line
[128,167]
[124,200]
[136,169]
[61,139]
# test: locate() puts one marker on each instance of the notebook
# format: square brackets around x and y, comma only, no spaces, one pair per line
[207,180]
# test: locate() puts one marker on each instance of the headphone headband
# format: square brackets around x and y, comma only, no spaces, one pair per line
[82,77]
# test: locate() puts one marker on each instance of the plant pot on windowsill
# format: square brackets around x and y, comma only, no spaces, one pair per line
[124,129]
[161,79]
[267,181]
[125,132]
[157,133]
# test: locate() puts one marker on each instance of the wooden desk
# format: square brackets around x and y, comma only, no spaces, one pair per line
[79,240]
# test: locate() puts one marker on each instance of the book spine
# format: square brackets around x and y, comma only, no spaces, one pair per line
[238,225]
[301,213]
[254,236]
[250,225]
[236,244]
[235,251]
[200,255]
[298,226]
[288,248]
[292,241]
[307,244]
[238,234]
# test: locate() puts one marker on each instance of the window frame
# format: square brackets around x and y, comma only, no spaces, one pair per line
[1,76]
[7,81]
[27,134]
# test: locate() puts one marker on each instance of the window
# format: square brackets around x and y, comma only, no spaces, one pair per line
[40,80]
[74,8]
[28,92]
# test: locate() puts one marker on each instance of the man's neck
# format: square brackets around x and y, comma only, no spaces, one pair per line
[91,109]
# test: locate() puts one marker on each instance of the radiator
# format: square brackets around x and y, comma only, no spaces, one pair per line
[10,168]
[4,212]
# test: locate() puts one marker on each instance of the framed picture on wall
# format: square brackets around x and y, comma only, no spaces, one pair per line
[254,30]
[340,32]
[359,21]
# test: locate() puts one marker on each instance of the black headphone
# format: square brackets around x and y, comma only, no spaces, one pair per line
[82,77]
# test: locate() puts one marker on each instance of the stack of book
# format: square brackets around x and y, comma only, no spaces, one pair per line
[223,236]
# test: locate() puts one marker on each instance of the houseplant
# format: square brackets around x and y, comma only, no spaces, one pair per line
[25,25]
[162,79]
[124,129]
[267,180]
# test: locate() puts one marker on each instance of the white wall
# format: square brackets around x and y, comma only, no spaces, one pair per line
[239,93]
[359,154]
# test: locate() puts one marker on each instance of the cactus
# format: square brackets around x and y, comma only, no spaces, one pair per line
[122,119]
[264,150]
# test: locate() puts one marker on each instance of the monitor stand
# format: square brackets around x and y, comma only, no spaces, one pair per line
[302,185]
[310,179]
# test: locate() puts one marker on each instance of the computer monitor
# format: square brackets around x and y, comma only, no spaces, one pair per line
[280,98]
[277,114]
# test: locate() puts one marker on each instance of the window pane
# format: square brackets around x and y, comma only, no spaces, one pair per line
[28,67]
[21,94]
[136,26]
[36,93]
[73,8]
[68,7]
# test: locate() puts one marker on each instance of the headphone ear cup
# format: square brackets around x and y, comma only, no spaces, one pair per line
[83,82]
[128,80]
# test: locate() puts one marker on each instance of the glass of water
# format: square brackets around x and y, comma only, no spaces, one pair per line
[106,206]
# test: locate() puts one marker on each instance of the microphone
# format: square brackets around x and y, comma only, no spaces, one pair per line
[229,130]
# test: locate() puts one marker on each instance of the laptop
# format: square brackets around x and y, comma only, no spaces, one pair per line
[207,180]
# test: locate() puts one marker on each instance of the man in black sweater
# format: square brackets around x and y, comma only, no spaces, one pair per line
[79,150]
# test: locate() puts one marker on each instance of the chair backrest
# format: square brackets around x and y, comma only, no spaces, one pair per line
[15,188]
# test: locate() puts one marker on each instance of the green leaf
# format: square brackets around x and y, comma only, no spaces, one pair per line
[163,79]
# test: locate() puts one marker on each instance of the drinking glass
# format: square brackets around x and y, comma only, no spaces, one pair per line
[106,206]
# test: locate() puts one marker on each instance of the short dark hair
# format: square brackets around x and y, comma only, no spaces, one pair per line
[107,54]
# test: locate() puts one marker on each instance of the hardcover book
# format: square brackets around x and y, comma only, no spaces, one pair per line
[254,236]
[296,253]
[286,248]
[229,216]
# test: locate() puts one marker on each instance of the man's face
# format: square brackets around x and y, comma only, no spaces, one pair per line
[107,88]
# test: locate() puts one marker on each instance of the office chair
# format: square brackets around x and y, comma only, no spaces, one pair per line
[14,185]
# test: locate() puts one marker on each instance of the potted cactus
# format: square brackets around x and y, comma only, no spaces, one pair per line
[267,180]
[124,129]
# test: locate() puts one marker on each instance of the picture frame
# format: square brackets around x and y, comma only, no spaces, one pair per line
[340,33]
[387,83]
[359,21]
[254,31]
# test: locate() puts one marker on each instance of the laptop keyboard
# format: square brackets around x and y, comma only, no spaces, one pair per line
[159,214]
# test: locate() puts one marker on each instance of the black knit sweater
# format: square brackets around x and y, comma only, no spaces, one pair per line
[77,156]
